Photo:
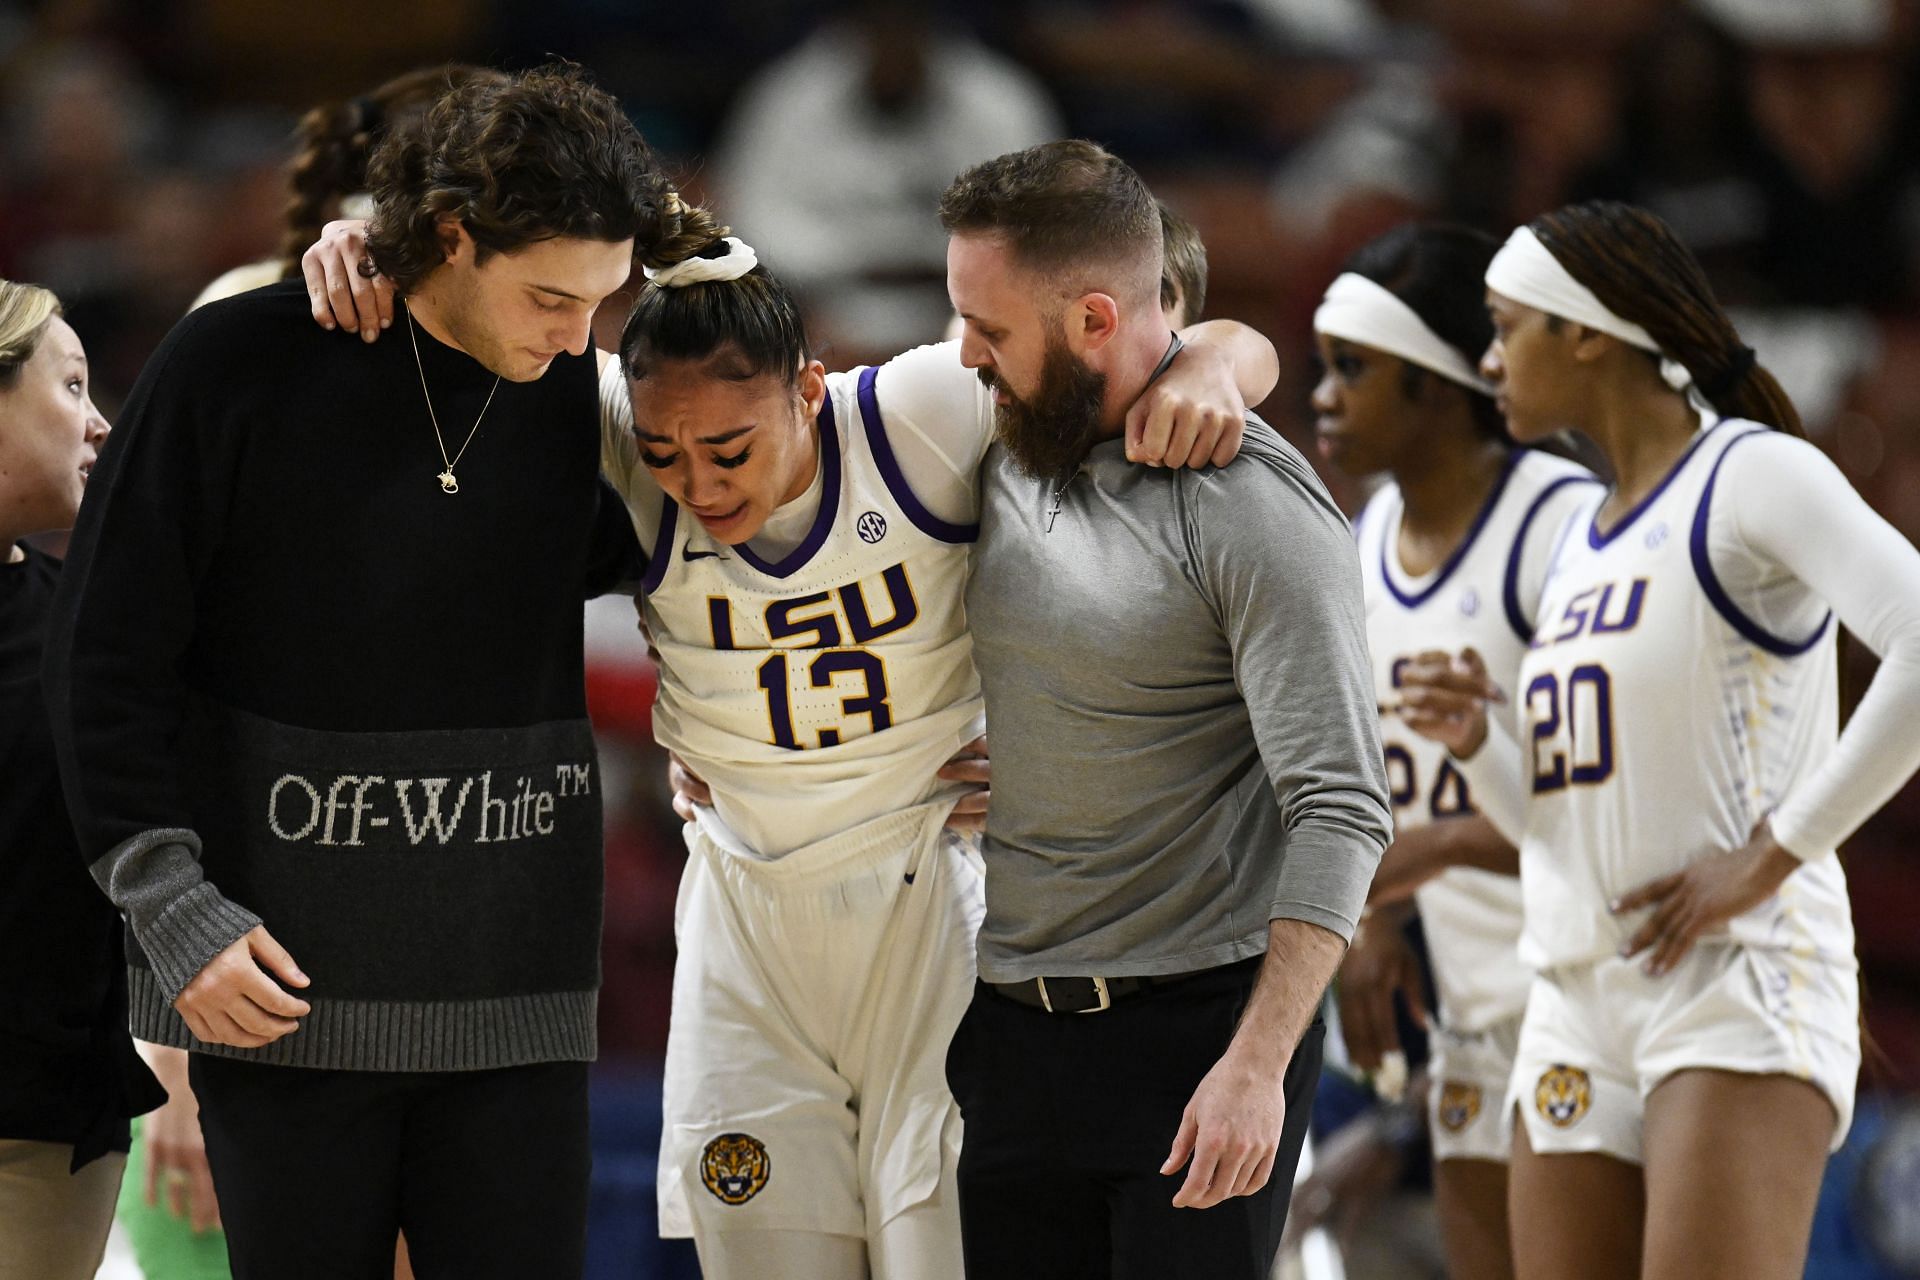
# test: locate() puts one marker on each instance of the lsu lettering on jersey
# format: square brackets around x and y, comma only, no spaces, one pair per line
[1483,596]
[1661,718]
[826,688]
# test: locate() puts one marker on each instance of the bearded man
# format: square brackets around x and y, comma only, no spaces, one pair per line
[1189,796]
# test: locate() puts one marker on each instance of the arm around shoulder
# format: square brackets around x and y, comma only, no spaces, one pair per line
[1250,354]
[934,420]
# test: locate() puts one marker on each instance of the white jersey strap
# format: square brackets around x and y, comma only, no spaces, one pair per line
[889,465]
[1717,595]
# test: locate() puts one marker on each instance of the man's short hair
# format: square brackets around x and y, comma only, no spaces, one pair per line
[1067,208]
[536,156]
[1183,275]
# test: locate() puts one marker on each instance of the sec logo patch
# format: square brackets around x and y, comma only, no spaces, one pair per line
[735,1167]
[1459,1104]
[1563,1095]
[872,526]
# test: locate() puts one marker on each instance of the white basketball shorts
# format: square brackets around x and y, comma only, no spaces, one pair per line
[813,1001]
[1599,1037]
[1469,1073]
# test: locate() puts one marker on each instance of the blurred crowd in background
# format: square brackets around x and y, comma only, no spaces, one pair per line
[146,143]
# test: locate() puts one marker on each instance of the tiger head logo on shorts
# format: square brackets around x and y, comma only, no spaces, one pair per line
[735,1166]
[1459,1104]
[1563,1096]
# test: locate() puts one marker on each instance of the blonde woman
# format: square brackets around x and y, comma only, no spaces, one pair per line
[69,1078]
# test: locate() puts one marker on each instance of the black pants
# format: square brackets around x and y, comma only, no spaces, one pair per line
[318,1171]
[1069,1117]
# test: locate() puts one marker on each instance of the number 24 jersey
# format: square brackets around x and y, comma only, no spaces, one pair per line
[1483,596]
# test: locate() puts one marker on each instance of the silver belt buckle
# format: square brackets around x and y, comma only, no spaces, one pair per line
[1099,989]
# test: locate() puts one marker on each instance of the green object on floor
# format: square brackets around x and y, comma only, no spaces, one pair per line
[165,1246]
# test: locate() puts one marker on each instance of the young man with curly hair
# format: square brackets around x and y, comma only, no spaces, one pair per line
[315,679]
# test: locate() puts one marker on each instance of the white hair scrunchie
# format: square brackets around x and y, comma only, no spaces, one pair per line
[1361,310]
[1526,271]
[731,265]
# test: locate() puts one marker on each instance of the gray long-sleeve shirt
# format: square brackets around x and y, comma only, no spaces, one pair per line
[1181,710]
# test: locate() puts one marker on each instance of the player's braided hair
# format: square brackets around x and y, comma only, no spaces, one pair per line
[1438,271]
[1635,264]
[747,326]
[538,156]
[336,139]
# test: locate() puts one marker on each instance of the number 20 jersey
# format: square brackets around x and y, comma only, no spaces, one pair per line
[822,690]
[1661,717]
[1481,597]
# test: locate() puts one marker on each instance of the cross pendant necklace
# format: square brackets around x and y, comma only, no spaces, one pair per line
[1059,493]
[448,483]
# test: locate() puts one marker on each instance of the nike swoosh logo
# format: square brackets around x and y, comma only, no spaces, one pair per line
[688,553]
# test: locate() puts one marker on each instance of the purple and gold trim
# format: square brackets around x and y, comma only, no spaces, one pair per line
[1598,540]
[1523,626]
[1413,600]
[1717,593]
[882,449]
[662,546]
[796,560]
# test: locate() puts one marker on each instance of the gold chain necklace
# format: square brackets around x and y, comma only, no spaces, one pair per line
[447,482]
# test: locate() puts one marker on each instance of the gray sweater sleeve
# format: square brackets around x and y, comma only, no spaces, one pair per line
[1277,559]
[180,920]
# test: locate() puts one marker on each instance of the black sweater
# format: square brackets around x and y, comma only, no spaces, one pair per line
[294,682]
[68,1072]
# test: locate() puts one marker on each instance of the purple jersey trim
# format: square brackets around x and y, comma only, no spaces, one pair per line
[662,546]
[1510,586]
[1426,593]
[1598,540]
[882,449]
[1710,581]
[829,505]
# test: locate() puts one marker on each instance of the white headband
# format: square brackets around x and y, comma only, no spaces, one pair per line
[1526,271]
[731,265]
[1359,310]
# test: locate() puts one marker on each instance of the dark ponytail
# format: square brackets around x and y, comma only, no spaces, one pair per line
[331,161]
[1638,268]
[751,323]
[335,140]
[1439,272]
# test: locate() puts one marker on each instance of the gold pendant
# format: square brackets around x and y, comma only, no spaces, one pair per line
[447,483]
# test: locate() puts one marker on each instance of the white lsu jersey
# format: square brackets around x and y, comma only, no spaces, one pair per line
[1483,596]
[822,690]
[1660,720]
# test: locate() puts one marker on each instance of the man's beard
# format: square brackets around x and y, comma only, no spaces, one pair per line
[1049,435]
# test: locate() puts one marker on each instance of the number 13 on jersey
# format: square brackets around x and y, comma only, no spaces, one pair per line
[871,702]
[823,623]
